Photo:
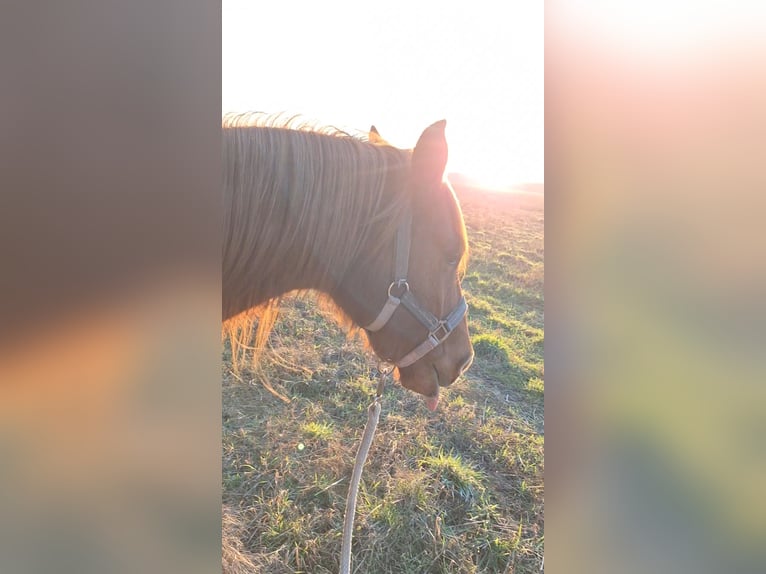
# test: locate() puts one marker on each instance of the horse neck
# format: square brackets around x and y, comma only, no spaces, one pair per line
[301,214]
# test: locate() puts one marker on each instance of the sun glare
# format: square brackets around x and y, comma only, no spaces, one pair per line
[497,181]
[492,160]
[494,182]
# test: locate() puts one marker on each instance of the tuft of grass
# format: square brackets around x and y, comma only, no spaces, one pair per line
[536,385]
[318,430]
[457,402]
[455,474]
[491,347]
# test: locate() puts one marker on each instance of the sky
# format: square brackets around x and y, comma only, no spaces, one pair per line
[400,65]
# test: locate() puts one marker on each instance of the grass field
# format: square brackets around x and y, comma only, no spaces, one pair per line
[458,490]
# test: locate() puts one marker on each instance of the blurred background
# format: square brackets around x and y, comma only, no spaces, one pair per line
[110,287]
[655,269]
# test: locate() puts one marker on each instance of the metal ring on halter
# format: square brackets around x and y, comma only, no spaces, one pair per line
[399,283]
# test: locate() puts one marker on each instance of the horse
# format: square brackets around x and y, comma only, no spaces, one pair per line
[376,230]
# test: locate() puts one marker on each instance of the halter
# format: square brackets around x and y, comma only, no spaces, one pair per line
[399,294]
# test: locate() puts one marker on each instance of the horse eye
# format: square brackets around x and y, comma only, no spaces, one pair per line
[453,261]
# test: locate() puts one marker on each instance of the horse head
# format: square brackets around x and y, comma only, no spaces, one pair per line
[405,291]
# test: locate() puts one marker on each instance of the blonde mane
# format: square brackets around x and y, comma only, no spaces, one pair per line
[303,200]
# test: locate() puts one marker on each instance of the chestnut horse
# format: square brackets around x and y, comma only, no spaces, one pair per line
[375,229]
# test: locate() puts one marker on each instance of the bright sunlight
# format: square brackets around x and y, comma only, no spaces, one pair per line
[400,66]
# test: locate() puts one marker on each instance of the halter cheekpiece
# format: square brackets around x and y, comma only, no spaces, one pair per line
[399,294]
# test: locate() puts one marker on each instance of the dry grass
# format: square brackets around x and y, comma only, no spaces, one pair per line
[459,490]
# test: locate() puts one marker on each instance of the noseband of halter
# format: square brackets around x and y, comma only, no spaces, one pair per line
[399,294]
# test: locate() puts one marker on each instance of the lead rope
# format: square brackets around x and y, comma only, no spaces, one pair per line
[373,415]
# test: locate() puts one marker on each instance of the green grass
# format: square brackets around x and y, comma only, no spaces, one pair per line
[455,475]
[459,490]
[317,430]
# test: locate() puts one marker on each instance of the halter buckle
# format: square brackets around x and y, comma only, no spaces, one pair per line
[441,332]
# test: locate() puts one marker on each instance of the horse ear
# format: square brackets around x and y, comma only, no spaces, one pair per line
[429,159]
[375,137]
